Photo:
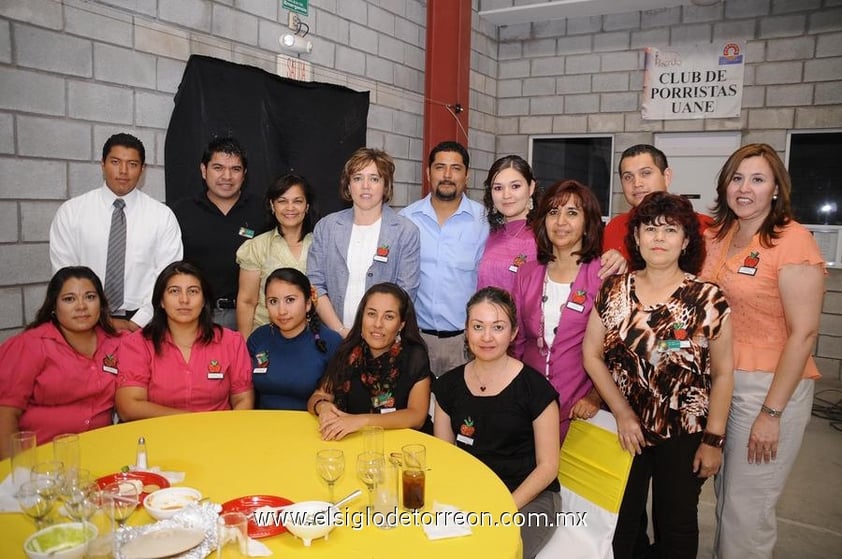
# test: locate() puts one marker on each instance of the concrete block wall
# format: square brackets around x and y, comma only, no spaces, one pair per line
[793,80]
[73,72]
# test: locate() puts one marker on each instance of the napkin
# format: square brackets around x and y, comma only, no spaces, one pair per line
[450,522]
[257,549]
[8,501]
[172,477]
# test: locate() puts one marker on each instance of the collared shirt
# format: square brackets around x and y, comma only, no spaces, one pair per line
[211,238]
[58,389]
[449,258]
[215,372]
[79,237]
[506,251]
[266,253]
[749,278]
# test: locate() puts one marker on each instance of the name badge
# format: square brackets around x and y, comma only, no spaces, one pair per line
[387,410]
[215,376]
[747,270]
[259,370]
[246,232]
[465,440]
[379,258]
[111,370]
[574,306]
[673,345]
[513,269]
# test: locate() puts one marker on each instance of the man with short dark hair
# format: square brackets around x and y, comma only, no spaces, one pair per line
[643,169]
[216,222]
[124,235]
[453,233]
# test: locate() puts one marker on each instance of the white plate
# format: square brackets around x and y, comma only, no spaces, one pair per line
[163,543]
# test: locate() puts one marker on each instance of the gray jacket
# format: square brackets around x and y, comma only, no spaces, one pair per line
[327,261]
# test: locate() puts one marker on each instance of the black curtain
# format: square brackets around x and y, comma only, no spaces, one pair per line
[308,128]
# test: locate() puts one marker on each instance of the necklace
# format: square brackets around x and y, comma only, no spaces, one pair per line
[484,385]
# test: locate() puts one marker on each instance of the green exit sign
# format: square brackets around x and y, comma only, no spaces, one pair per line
[297,6]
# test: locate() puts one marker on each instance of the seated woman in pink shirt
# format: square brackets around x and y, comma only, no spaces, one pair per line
[58,374]
[181,361]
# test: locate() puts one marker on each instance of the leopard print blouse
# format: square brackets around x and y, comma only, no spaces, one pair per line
[659,355]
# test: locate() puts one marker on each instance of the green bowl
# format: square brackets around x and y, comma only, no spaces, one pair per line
[60,541]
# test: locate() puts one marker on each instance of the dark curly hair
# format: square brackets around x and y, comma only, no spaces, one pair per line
[556,196]
[519,164]
[302,282]
[660,207]
[781,212]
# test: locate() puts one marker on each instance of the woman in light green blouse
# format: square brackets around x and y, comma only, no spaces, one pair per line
[289,202]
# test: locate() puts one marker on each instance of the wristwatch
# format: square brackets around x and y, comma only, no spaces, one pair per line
[771,412]
[716,441]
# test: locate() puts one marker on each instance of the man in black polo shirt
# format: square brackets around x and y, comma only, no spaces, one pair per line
[216,222]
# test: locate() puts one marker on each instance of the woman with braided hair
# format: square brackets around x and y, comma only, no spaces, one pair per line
[289,355]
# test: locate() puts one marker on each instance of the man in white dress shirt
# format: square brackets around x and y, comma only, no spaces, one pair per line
[79,234]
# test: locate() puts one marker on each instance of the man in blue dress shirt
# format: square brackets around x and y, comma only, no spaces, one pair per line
[453,233]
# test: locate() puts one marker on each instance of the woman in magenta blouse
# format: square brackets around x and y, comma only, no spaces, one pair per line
[181,361]
[555,294]
[510,202]
[58,374]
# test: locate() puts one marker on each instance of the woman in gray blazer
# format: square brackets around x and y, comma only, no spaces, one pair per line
[366,244]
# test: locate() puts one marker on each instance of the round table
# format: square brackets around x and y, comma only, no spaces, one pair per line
[238,453]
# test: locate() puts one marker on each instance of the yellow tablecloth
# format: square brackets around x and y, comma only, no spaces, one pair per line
[232,454]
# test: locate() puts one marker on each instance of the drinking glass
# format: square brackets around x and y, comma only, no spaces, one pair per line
[370,466]
[36,498]
[80,496]
[66,450]
[373,439]
[120,500]
[52,470]
[330,463]
[414,475]
[23,451]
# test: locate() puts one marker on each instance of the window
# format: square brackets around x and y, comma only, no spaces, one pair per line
[815,166]
[585,158]
[814,160]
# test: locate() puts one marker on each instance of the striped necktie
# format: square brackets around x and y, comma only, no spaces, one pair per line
[115,263]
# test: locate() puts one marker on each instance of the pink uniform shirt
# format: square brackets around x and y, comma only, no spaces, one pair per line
[205,383]
[58,389]
[506,250]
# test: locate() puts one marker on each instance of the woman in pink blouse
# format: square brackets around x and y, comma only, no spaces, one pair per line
[181,361]
[59,372]
[554,296]
[510,202]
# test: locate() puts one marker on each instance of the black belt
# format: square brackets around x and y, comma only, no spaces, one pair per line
[442,334]
[124,315]
[225,303]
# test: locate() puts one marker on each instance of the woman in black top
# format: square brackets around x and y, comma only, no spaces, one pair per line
[380,375]
[504,413]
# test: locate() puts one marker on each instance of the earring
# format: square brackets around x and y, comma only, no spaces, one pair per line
[530,205]
[774,197]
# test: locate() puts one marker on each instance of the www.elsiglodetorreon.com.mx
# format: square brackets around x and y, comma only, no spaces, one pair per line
[361,518]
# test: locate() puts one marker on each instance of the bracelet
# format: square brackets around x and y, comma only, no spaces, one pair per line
[711,439]
[316,405]
[771,412]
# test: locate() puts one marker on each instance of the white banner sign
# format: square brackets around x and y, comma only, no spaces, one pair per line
[698,81]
